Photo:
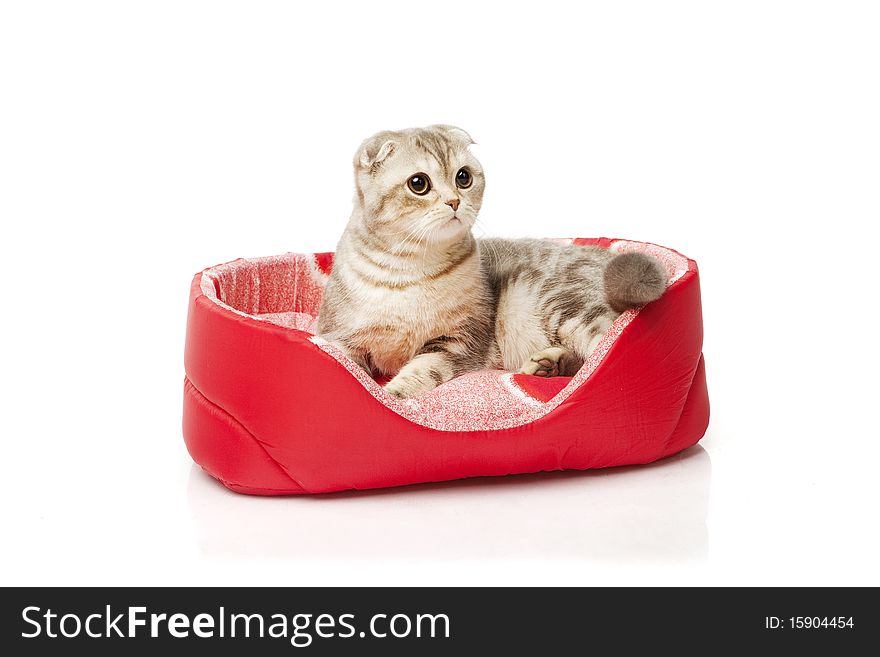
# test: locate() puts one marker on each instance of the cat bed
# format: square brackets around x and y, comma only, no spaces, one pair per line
[271,409]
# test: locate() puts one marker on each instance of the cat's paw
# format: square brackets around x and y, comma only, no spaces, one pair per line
[404,387]
[546,362]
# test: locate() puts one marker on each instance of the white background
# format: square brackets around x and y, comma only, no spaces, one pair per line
[142,142]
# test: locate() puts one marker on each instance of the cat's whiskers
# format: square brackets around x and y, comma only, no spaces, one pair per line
[419,236]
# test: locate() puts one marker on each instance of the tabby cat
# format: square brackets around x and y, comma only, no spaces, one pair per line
[415,296]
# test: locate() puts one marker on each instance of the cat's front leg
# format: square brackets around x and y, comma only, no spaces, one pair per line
[423,373]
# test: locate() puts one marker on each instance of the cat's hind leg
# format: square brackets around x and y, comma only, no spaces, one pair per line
[582,337]
[552,361]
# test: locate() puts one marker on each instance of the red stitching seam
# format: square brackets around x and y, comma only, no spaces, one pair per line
[666,442]
[252,436]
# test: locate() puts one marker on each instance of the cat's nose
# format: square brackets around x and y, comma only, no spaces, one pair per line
[453,204]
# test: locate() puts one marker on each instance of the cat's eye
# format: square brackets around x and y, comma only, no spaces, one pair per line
[419,184]
[463,178]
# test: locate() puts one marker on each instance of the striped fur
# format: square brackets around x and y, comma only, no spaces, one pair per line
[414,295]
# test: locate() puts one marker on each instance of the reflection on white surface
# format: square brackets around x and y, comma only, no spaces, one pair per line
[655,511]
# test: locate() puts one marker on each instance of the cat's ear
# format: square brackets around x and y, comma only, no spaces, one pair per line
[455,133]
[376,149]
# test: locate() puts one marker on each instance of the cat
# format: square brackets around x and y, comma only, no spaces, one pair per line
[415,296]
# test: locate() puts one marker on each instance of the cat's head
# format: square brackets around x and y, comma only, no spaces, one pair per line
[419,185]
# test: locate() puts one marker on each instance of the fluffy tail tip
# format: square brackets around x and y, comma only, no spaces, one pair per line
[633,279]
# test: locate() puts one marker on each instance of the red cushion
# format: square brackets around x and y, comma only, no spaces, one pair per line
[269,409]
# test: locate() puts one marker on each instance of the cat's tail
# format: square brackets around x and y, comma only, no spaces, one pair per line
[633,279]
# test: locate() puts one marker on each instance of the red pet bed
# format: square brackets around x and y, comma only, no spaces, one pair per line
[271,409]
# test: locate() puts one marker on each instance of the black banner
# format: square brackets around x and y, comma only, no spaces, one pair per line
[418,621]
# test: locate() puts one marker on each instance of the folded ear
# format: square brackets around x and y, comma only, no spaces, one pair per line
[455,133]
[375,149]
